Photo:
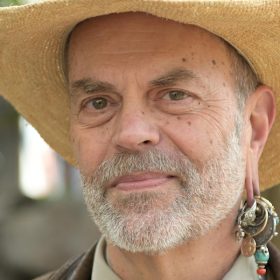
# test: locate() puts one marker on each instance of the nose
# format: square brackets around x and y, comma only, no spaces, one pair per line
[135,131]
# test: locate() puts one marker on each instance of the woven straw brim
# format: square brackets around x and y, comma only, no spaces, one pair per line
[32,40]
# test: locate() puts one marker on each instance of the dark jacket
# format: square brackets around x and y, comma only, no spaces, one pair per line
[81,267]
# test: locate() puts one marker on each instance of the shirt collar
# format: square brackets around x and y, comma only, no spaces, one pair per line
[243,267]
[100,269]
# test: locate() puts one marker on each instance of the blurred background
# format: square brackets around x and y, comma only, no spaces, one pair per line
[43,219]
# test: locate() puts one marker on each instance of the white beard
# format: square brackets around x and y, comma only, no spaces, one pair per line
[154,221]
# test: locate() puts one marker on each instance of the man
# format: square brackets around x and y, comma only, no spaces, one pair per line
[167,125]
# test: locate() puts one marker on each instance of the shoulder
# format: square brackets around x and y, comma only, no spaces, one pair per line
[78,268]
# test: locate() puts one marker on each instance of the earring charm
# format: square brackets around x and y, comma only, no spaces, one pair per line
[256,227]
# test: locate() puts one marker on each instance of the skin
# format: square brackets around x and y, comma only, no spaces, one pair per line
[129,51]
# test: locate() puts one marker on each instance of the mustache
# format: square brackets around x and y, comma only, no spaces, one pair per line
[155,160]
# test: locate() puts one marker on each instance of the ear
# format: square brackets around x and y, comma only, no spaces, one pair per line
[261,109]
[260,115]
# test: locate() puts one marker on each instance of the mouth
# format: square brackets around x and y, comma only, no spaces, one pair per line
[141,181]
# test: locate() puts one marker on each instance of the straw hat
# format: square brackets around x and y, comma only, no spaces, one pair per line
[32,40]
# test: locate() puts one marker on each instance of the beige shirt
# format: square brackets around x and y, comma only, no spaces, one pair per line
[243,268]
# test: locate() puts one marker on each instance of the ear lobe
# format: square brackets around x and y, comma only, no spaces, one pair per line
[252,177]
[262,116]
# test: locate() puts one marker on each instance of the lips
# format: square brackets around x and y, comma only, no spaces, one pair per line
[141,181]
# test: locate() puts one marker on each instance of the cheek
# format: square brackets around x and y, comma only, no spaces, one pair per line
[193,137]
[89,146]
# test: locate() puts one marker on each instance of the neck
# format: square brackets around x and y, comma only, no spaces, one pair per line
[208,257]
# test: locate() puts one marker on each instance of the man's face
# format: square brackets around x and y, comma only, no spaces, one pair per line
[154,128]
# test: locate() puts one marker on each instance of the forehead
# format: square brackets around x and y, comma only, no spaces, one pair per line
[136,38]
[132,29]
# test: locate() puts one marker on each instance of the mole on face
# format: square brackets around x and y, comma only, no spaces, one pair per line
[189,123]
[192,55]
[178,117]
[214,62]
[183,59]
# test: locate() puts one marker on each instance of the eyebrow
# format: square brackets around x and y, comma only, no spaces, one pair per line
[168,79]
[172,77]
[91,85]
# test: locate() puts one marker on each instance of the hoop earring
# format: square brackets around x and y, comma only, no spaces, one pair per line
[256,227]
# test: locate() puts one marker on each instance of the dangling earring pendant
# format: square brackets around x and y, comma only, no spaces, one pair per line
[261,258]
[256,227]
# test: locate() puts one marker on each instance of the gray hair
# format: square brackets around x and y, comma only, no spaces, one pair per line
[245,79]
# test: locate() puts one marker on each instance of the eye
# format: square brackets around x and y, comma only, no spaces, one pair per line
[97,110]
[98,103]
[175,101]
[176,95]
